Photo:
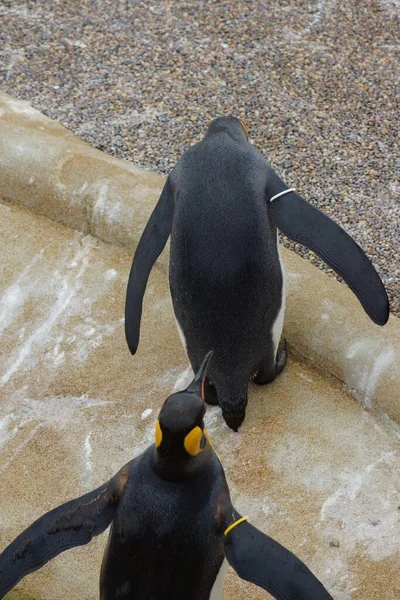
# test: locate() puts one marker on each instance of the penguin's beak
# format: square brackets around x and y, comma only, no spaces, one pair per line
[197,385]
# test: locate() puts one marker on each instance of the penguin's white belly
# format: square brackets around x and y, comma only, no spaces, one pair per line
[217,588]
[179,328]
[181,334]
[278,325]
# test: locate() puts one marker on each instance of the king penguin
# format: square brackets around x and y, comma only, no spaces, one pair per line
[222,204]
[172,523]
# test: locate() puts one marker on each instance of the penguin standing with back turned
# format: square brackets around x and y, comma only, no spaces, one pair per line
[222,204]
[172,524]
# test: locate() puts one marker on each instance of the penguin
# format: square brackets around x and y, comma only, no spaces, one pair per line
[172,523]
[222,204]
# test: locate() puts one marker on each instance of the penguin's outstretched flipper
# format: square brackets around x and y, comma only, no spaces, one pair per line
[305,224]
[151,244]
[74,523]
[259,559]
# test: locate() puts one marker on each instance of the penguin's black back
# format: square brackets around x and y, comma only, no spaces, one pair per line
[164,541]
[225,273]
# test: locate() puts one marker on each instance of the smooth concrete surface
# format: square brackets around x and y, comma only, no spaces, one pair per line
[53,172]
[310,466]
[325,323]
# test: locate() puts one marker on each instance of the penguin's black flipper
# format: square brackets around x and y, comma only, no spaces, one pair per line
[305,224]
[74,523]
[259,559]
[151,244]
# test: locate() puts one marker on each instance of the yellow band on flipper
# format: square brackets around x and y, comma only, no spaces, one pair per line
[235,524]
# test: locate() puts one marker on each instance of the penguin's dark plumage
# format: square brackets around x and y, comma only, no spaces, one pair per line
[172,524]
[226,276]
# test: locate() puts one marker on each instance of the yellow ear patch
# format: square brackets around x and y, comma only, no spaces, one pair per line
[158,434]
[244,127]
[193,440]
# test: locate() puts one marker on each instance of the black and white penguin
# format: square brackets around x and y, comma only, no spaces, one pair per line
[172,524]
[222,205]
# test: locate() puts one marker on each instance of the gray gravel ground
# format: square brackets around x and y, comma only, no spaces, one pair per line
[316,82]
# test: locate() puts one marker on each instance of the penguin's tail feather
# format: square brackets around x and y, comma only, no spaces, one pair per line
[233,402]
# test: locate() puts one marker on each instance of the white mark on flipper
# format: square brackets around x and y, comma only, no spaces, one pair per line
[146,413]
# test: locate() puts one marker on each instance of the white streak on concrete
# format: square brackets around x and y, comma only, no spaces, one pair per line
[55,411]
[13,297]
[4,424]
[114,212]
[350,490]
[364,511]
[88,452]
[355,348]
[41,334]
[101,200]
[146,413]
[183,380]
[111,274]
[61,304]
[380,365]
[19,448]
[21,107]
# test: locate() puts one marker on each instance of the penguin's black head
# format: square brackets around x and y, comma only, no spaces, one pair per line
[233,126]
[182,442]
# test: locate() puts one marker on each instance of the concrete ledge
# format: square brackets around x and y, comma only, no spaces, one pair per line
[47,169]
[54,173]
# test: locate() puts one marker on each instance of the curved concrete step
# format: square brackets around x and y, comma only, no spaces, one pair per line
[52,172]
[309,466]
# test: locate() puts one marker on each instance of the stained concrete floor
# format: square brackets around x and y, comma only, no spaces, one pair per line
[309,466]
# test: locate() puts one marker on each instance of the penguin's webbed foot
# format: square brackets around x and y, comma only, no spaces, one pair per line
[268,374]
[281,357]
